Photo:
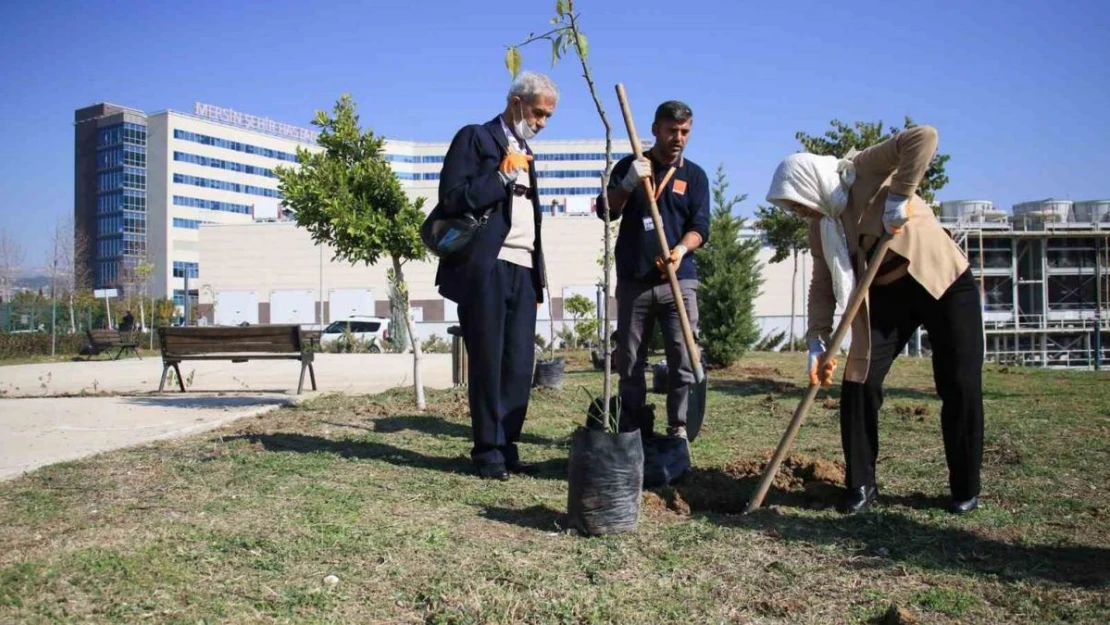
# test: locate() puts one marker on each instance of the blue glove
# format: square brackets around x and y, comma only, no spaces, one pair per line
[896,213]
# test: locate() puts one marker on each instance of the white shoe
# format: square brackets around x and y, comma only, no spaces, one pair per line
[678,431]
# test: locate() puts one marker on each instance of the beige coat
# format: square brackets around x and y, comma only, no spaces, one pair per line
[934,259]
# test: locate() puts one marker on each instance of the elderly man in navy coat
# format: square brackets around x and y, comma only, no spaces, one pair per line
[499,282]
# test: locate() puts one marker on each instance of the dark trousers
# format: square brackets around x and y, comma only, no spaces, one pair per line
[639,306]
[955,327]
[498,323]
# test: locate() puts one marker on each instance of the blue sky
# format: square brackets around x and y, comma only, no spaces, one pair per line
[1019,90]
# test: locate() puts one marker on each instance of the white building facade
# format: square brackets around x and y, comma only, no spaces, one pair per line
[241,285]
[215,166]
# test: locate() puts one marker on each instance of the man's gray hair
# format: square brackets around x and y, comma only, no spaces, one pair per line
[529,85]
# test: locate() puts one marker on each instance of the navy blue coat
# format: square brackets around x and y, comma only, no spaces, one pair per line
[469,183]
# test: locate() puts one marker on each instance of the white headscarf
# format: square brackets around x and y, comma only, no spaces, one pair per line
[821,183]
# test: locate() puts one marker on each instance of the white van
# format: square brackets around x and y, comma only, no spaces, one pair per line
[370,331]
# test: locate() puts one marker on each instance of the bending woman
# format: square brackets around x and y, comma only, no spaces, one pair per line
[923,281]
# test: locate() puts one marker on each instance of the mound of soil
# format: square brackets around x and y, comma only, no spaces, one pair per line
[801,480]
[666,499]
[920,411]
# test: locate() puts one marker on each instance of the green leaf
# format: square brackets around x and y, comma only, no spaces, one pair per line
[583,46]
[512,61]
[561,7]
[554,50]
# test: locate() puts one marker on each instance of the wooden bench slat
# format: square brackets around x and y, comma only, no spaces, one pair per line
[283,331]
[233,356]
[228,346]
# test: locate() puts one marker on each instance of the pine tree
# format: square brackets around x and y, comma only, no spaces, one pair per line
[730,276]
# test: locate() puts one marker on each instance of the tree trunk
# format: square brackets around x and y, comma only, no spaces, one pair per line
[402,290]
[153,314]
[793,297]
[72,312]
[607,379]
[54,305]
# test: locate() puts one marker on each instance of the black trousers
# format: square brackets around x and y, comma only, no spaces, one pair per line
[498,323]
[955,327]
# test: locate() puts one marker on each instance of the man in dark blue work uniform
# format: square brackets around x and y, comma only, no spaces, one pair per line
[644,295]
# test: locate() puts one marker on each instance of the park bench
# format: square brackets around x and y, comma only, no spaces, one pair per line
[234,343]
[104,340]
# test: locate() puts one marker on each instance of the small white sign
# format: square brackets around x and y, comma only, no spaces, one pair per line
[98,293]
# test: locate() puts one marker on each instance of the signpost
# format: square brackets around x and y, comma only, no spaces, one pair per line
[107,294]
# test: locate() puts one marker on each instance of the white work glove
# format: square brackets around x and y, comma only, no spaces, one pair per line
[816,350]
[641,168]
[896,213]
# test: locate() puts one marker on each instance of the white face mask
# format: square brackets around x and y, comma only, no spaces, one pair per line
[522,129]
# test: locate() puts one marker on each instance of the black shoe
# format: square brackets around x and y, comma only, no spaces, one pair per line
[523,468]
[858,499]
[495,471]
[963,507]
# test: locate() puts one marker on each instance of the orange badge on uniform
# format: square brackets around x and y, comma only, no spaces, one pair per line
[679,187]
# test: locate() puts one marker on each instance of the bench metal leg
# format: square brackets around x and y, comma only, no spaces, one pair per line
[312,375]
[300,385]
[180,380]
[165,371]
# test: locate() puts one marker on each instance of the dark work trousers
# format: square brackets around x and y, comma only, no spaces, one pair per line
[639,306]
[955,327]
[499,326]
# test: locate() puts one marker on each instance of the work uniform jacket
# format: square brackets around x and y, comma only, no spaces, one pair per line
[923,249]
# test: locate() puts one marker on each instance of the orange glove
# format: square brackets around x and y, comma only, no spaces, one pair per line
[820,373]
[674,258]
[826,376]
[514,163]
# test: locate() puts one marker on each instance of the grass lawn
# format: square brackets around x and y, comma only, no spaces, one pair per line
[244,524]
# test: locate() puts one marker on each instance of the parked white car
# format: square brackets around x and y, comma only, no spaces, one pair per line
[370,331]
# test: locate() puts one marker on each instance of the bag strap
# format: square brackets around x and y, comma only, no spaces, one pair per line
[663,184]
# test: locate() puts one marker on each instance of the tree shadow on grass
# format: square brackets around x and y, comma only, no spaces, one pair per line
[721,496]
[366,450]
[890,537]
[759,386]
[536,517]
[441,426]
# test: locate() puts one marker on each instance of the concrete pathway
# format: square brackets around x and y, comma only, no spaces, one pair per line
[45,419]
[346,373]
